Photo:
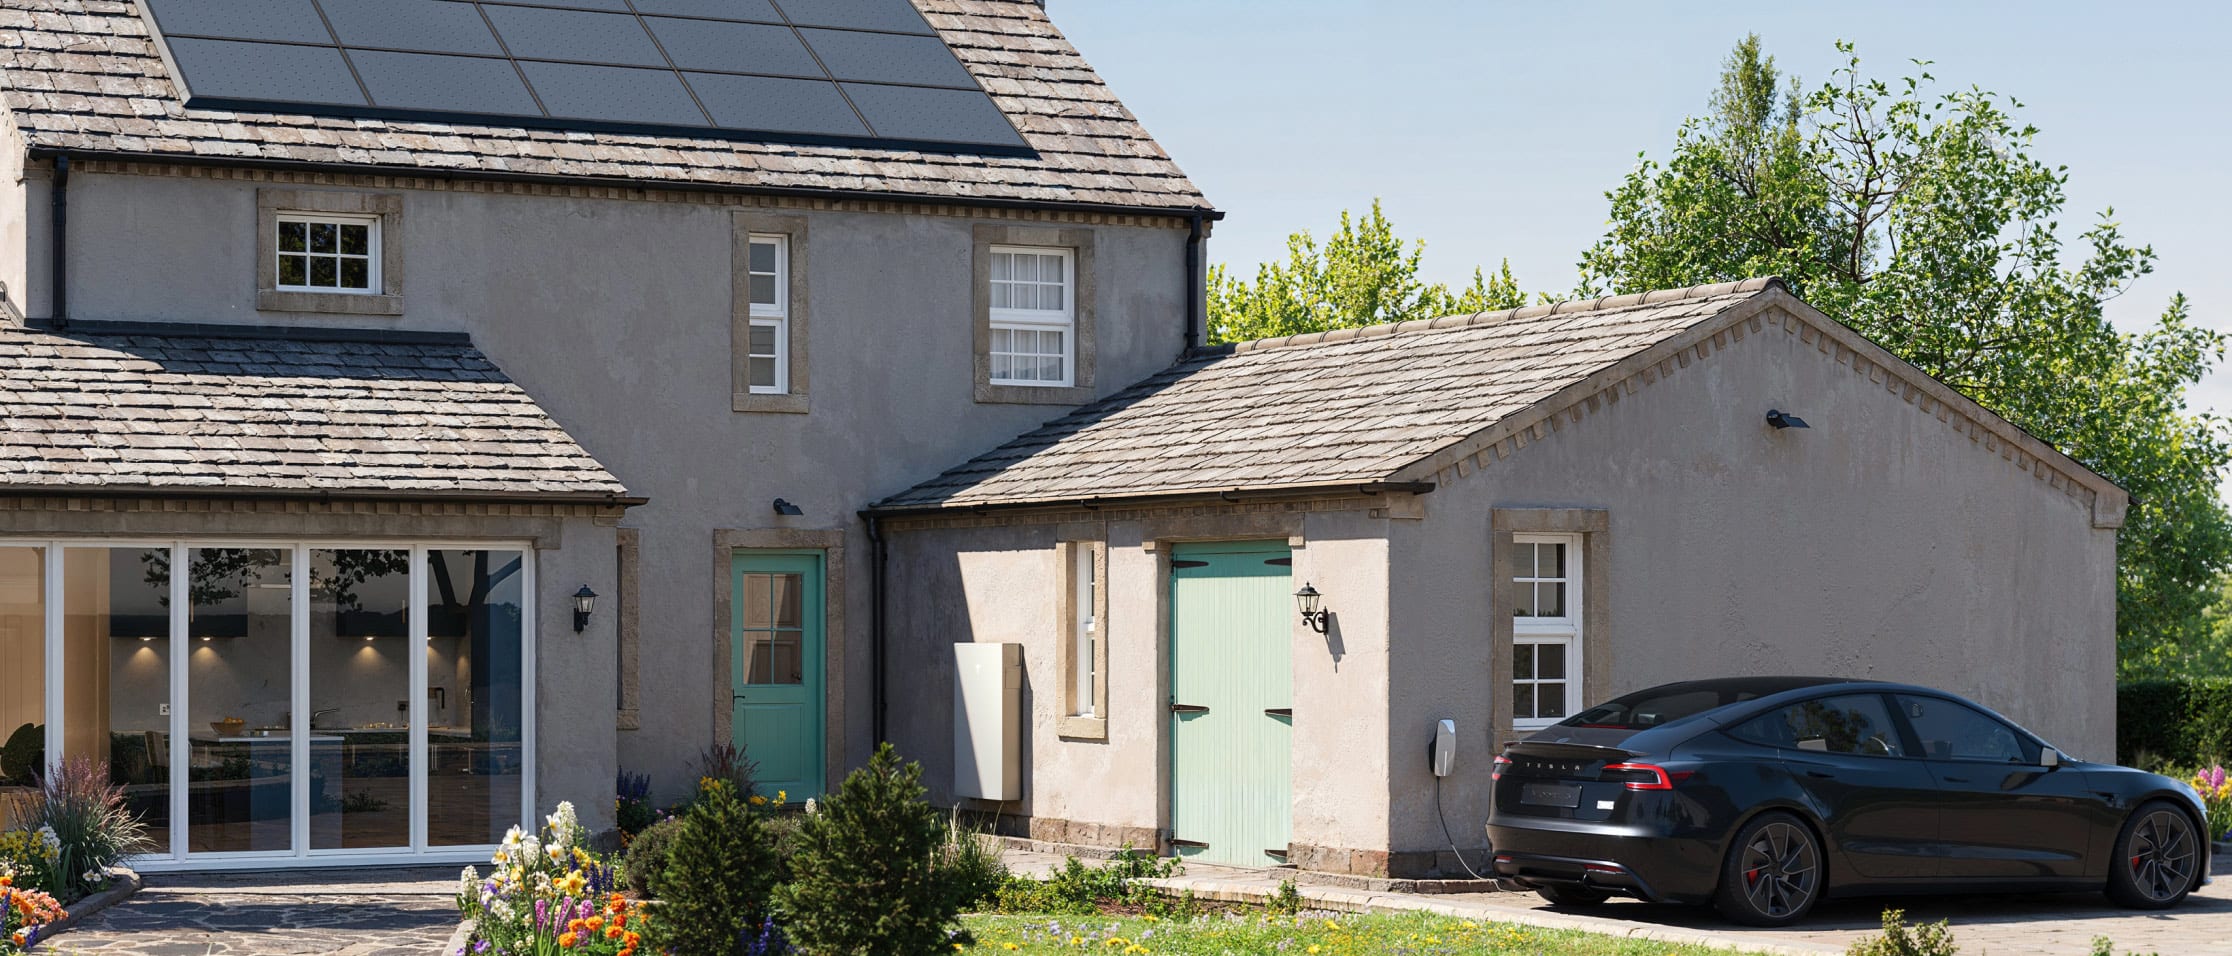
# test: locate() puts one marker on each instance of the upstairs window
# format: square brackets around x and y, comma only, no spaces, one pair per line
[768,349]
[1034,319]
[325,252]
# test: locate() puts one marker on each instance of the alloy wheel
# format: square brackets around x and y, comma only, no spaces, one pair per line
[1781,870]
[2162,855]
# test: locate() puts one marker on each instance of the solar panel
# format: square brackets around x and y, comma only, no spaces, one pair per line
[763,48]
[888,58]
[776,104]
[869,72]
[432,26]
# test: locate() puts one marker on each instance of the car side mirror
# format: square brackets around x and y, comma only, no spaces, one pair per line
[2049,758]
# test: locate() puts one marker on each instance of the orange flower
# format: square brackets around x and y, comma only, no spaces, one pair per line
[614,931]
[594,923]
[575,926]
[566,941]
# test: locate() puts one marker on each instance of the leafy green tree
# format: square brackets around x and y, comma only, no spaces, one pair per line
[1364,275]
[1924,222]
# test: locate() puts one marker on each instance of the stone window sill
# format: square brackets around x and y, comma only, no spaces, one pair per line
[341,303]
[778,404]
[1081,728]
[1032,395]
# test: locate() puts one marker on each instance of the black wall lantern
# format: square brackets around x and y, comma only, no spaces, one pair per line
[585,601]
[787,509]
[1781,419]
[1313,612]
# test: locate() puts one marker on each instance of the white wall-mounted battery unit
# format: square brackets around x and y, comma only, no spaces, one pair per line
[988,721]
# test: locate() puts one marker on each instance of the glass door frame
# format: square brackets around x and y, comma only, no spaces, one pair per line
[178,856]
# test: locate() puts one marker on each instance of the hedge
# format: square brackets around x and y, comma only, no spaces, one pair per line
[2185,722]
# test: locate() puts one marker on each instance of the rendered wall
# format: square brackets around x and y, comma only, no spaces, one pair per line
[1002,582]
[614,313]
[1878,543]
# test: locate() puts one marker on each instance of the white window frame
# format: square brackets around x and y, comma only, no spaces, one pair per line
[775,315]
[1563,632]
[1084,631]
[176,856]
[1063,320]
[374,282]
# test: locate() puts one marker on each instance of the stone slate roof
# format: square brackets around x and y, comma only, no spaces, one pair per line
[1350,407]
[85,75]
[116,412]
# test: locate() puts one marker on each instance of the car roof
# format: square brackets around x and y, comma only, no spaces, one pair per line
[1756,686]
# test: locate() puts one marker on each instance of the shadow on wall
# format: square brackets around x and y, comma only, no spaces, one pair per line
[929,613]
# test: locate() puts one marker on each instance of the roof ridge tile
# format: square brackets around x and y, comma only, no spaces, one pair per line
[1654,297]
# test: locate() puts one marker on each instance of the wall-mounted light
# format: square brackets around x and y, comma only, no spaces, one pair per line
[585,601]
[1311,603]
[1781,419]
[787,509]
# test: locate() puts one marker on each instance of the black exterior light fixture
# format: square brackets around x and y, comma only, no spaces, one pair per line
[1781,419]
[787,509]
[1313,612]
[585,601]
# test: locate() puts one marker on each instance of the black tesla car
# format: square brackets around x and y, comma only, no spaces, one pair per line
[1763,795]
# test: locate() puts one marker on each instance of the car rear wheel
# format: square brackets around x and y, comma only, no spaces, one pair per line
[1575,896]
[2158,855]
[1773,872]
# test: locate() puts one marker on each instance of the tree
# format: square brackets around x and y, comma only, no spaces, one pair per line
[1363,276]
[1923,222]
[869,875]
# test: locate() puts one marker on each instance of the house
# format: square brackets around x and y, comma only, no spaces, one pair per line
[419,412]
[1505,517]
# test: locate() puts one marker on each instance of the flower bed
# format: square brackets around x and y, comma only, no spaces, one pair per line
[545,893]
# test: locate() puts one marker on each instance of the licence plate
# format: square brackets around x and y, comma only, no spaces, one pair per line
[1550,795]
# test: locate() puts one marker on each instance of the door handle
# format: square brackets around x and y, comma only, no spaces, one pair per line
[1189,844]
[1287,712]
[1823,774]
[1956,780]
[1188,709]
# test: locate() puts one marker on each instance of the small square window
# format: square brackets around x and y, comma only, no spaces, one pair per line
[321,252]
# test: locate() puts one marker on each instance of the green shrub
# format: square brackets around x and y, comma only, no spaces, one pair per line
[1286,902]
[1898,939]
[2183,722]
[972,865]
[2103,946]
[23,757]
[1079,889]
[719,872]
[89,819]
[647,855]
[867,874]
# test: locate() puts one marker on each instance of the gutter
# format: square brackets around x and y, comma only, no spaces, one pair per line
[291,494]
[879,559]
[1194,291]
[623,182]
[58,242]
[1198,496]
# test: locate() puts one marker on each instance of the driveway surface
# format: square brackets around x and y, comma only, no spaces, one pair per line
[385,912]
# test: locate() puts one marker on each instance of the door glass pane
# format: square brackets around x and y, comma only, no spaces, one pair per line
[116,673]
[787,588]
[23,678]
[773,612]
[239,675]
[360,689]
[759,595]
[475,638]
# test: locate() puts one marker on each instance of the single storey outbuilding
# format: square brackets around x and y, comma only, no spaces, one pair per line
[1505,516]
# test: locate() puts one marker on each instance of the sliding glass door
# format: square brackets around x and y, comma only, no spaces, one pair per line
[269,701]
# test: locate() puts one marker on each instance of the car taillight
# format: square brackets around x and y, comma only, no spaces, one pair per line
[1643,776]
[1501,762]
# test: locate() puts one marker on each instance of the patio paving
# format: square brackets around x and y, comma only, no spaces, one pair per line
[383,912]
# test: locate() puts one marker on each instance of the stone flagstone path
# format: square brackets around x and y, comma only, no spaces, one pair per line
[384,912]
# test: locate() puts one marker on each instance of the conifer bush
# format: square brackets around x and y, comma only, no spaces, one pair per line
[868,877]
[719,871]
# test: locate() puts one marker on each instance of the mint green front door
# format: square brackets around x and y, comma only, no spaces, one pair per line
[1231,687]
[775,667]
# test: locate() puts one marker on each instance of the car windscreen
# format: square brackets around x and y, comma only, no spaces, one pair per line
[1658,707]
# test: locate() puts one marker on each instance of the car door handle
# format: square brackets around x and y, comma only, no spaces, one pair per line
[1956,779]
[1823,774]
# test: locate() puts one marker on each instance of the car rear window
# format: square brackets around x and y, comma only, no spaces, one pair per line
[1652,708]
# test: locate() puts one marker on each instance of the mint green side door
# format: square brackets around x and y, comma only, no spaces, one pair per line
[775,667]
[1232,724]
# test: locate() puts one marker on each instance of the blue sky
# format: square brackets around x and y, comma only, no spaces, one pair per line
[1492,130]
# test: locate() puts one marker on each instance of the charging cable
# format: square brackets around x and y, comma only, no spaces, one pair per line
[1443,813]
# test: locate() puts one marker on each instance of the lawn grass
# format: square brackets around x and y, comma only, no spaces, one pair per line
[1320,934]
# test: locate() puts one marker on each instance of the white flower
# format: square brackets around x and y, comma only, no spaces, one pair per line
[46,835]
[529,848]
[512,838]
[563,822]
[811,807]
[93,875]
[468,882]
